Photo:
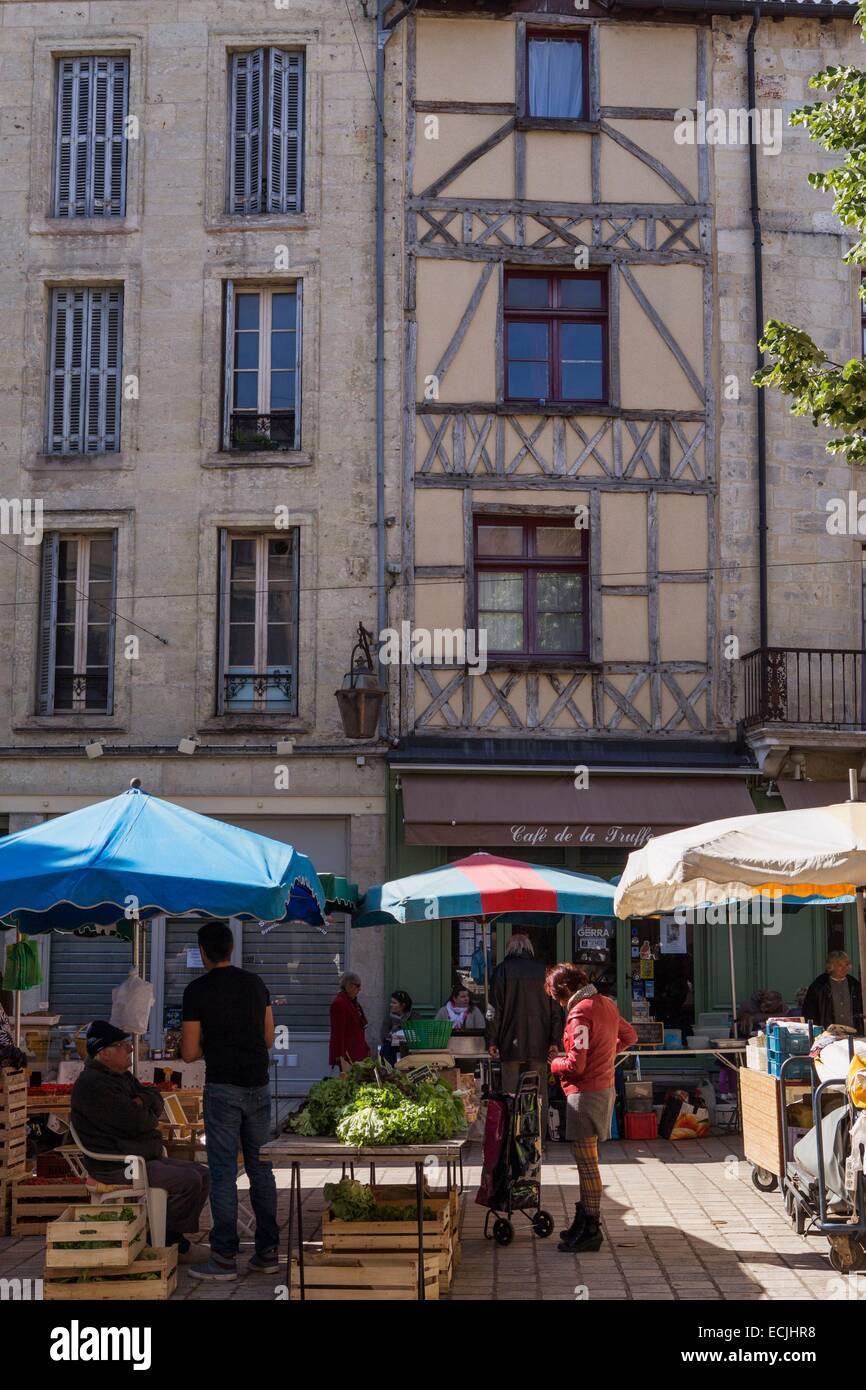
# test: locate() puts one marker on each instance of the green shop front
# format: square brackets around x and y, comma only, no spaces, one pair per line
[443,812]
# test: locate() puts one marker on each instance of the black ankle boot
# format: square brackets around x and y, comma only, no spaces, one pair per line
[590,1238]
[577,1224]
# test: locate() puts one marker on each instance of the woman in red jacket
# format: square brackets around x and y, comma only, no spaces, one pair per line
[594,1033]
[348,1022]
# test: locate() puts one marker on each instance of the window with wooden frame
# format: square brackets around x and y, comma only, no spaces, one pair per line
[261,409]
[556,336]
[265,137]
[90,137]
[84,366]
[557,75]
[76,623]
[258,629]
[532,587]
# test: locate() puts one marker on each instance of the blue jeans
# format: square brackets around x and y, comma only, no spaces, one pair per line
[239,1117]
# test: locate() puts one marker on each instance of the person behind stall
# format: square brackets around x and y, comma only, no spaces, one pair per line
[400,1011]
[835,996]
[526,1026]
[594,1033]
[112,1113]
[464,1015]
[348,1040]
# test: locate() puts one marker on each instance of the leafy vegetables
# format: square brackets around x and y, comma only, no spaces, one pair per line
[369,1106]
[355,1201]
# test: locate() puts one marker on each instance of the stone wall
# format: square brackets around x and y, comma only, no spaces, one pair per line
[815,579]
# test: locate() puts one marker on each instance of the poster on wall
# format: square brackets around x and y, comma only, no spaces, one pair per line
[672,937]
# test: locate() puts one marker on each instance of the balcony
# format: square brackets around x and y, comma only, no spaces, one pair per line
[803,698]
[269,692]
[258,434]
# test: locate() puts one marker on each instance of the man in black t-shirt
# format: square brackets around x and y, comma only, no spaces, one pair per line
[228,1019]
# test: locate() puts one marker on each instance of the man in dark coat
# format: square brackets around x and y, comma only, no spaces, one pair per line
[526,1028]
[112,1113]
[835,996]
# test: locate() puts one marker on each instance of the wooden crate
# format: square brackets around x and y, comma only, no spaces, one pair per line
[13,1092]
[395,1237]
[761,1111]
[35,1205]
[370,1277]
[5,1206]
[119,1284]
[77,1223]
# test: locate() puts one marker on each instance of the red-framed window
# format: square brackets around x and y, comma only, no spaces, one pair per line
[557,75]
[556,336]
[532,587]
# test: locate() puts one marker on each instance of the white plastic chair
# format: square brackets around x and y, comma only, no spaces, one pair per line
[155,1198]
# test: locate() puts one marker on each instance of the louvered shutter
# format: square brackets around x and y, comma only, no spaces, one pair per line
[109,142]
[222,624]
[228,361]
[103,371]
[112,627]
[90,146]
[285,121]
[245,134]
[47,624]
[66,388]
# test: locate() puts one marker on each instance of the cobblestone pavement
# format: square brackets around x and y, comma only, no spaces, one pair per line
[681,1221]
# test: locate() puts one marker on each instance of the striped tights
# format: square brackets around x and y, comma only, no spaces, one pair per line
[586,1158]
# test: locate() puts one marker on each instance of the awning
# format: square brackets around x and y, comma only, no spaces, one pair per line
[802,795]
[610,812]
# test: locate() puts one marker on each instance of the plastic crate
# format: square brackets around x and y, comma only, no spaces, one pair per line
[800,1070]
[427,1034]
[641,1126]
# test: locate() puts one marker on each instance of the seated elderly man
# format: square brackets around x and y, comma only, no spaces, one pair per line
[113,1113]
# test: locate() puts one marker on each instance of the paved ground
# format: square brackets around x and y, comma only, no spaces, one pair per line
[682,1221]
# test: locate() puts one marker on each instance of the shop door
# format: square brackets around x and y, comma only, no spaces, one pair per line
[662,971]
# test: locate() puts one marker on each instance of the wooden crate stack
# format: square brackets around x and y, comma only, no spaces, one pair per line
[365,1276]
[13,1139]
[35,1203]
[126,1269]
[387,1237]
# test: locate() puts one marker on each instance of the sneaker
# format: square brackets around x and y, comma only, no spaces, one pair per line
[216,1268]
[266,1262]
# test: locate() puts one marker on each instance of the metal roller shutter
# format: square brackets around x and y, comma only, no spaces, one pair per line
[181,935]
[300,966]
[82,973]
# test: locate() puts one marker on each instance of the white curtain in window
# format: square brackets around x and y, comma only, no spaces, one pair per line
[555,78]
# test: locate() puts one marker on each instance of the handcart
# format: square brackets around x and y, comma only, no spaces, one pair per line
[511,1172]
[822,1180]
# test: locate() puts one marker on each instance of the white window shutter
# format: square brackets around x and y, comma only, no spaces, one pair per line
[228,360]
[103,371]
[90,143]
[285,121]
[245,133]
[47,624]
[66,385]
[222,620]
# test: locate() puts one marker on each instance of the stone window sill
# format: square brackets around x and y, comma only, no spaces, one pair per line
[252,458]
[84,226]
[65,462]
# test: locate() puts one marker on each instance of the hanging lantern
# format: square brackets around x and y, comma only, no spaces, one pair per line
[361,696]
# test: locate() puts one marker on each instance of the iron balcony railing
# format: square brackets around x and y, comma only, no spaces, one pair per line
[266,691]
[251,433]
[804,685]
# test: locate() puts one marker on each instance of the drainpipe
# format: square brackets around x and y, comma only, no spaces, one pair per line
[759,328]
[384,30]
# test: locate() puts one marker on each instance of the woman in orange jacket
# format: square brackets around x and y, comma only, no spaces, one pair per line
[594,1033]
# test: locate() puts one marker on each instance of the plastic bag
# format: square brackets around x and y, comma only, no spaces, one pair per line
[857,1082]
[131,1004]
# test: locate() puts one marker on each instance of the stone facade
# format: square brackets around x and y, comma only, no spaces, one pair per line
[814,588]
[170,488]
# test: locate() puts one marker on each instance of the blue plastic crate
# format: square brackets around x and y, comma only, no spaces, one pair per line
[801,1070]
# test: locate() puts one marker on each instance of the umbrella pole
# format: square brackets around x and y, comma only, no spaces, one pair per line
[854,795]
[861,932]
[733,974]
[136,949]
[486,967]
[17,1006]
